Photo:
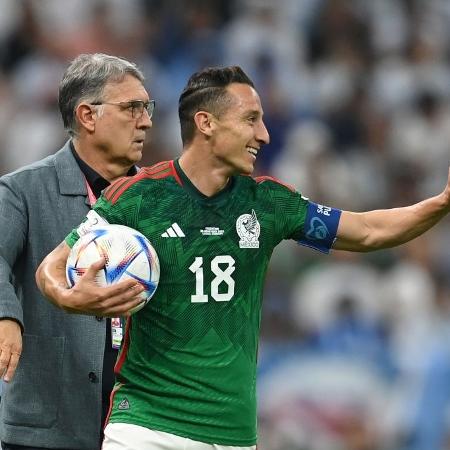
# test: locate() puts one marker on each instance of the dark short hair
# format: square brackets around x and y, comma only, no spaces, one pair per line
[206,91]
[85,80]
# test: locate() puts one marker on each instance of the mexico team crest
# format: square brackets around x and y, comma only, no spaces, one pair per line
[248,229]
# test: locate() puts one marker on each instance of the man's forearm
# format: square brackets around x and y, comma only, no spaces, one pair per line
[387,228]
[399,225]
[51,274]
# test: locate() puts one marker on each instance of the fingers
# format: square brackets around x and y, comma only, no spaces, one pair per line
[94,268]
[4,361]
[8,364]
[125,287]
[12,366]
[120,292]
[123,309]
[108,301]
[10,347]
[121,299]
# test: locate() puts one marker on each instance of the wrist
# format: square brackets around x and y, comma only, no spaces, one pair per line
[61,294]
[444,200]
[447,201]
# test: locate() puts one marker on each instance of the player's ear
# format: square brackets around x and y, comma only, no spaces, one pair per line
[86,116]
[205,123]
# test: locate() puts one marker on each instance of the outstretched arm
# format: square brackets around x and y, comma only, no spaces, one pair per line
[373,230]
[85,297]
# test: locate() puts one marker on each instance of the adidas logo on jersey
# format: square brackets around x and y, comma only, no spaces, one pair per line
[173,231]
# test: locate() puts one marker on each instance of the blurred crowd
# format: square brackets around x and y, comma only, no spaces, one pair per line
[355,349]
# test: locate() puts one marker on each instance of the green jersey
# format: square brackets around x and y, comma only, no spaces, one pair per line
[187,365]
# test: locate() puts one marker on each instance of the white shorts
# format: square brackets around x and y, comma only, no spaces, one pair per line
[123,436]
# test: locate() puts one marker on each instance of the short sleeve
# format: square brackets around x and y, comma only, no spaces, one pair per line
[288,206]
[308,223]
[103,212]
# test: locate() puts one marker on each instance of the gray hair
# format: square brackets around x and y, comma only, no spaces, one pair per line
[85,79]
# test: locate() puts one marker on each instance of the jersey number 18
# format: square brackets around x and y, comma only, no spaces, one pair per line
[221,276]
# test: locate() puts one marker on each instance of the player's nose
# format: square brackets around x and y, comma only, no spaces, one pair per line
[262,135]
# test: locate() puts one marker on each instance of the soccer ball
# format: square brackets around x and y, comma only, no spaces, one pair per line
[127,252]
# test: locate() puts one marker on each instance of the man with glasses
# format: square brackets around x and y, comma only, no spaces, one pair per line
[58,367]
[186,375]
[136,107]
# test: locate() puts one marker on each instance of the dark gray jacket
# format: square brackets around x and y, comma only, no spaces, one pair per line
[54,399]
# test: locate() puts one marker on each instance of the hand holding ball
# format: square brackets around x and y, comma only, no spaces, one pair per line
[127,254]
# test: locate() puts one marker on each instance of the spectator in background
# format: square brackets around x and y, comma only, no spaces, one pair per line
[58,367]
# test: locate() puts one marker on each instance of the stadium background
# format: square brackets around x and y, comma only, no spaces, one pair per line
[355,349]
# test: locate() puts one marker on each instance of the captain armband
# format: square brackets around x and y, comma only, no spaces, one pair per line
[92,219]
[320,228]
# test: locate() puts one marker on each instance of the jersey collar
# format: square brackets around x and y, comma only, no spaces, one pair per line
[219,197]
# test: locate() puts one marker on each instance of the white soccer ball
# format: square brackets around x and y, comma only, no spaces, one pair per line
[127,252]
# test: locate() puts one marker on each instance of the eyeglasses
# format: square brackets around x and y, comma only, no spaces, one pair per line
[135,106]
